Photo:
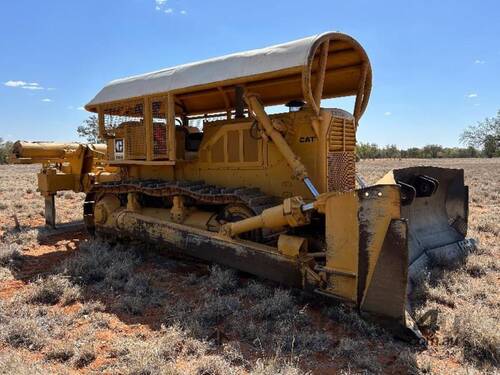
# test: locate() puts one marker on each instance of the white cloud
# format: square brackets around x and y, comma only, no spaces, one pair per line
[387,113]
[32,87]
[159,4]
[472,95]
[183,12]
[81,109]
[477,61]
[169,10]
[46,100]
[24,85]
[51,88]
[15,83]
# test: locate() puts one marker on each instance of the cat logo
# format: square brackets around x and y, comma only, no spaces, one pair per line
[119,154]
[308,139]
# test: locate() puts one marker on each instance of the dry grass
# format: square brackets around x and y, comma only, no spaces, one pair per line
[112,271]
[118,309]
[172,351]
[52,290]
[10,260]
[275,320]
[14,363]
[18,197]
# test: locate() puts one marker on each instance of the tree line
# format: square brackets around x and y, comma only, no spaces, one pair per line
[374,151]
[481,140]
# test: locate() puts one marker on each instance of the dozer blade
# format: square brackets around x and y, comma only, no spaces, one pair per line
[381,240]
[437,217]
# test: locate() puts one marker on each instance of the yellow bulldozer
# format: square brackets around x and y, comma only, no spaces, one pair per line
[206,166]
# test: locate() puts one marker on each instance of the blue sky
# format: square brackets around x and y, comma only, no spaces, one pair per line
[436,63]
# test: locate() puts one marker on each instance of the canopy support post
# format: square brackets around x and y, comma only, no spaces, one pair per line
[171,127]
[239,104]
[148,124]
[318,90]
[360,93]
[100,122]
[226,102]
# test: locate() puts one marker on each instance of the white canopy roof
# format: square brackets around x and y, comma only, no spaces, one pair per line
[287,58]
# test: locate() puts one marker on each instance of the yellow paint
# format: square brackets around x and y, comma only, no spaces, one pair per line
[291,246]
[342,240]
[379,209]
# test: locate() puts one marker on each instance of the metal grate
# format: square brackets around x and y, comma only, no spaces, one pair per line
[135,145]
[160,134]
[115,117]
[126,120]
[341,154]
[341,171]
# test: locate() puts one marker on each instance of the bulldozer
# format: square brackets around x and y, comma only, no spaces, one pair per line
[234,160]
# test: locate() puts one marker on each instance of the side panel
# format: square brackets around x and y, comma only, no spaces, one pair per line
[342,240]
[386,293]
[357,227]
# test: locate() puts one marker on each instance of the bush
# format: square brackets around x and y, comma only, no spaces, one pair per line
[352,320]
[112,270]
[84,356]
[5,150]
[96,262]
[31,326]
[223,281]
[52,290]
[10,256]
[24,333]
[277,306]
[61,353]
[154,355]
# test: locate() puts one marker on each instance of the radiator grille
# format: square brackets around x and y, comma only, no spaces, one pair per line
[341,154]
[342,135]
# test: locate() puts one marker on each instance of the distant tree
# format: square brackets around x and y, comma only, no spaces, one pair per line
[414,152]
[491,147]
[89,130]
[470,152]
[391,151]
[432,151]
[485,135]
[367,150]
[5,149]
